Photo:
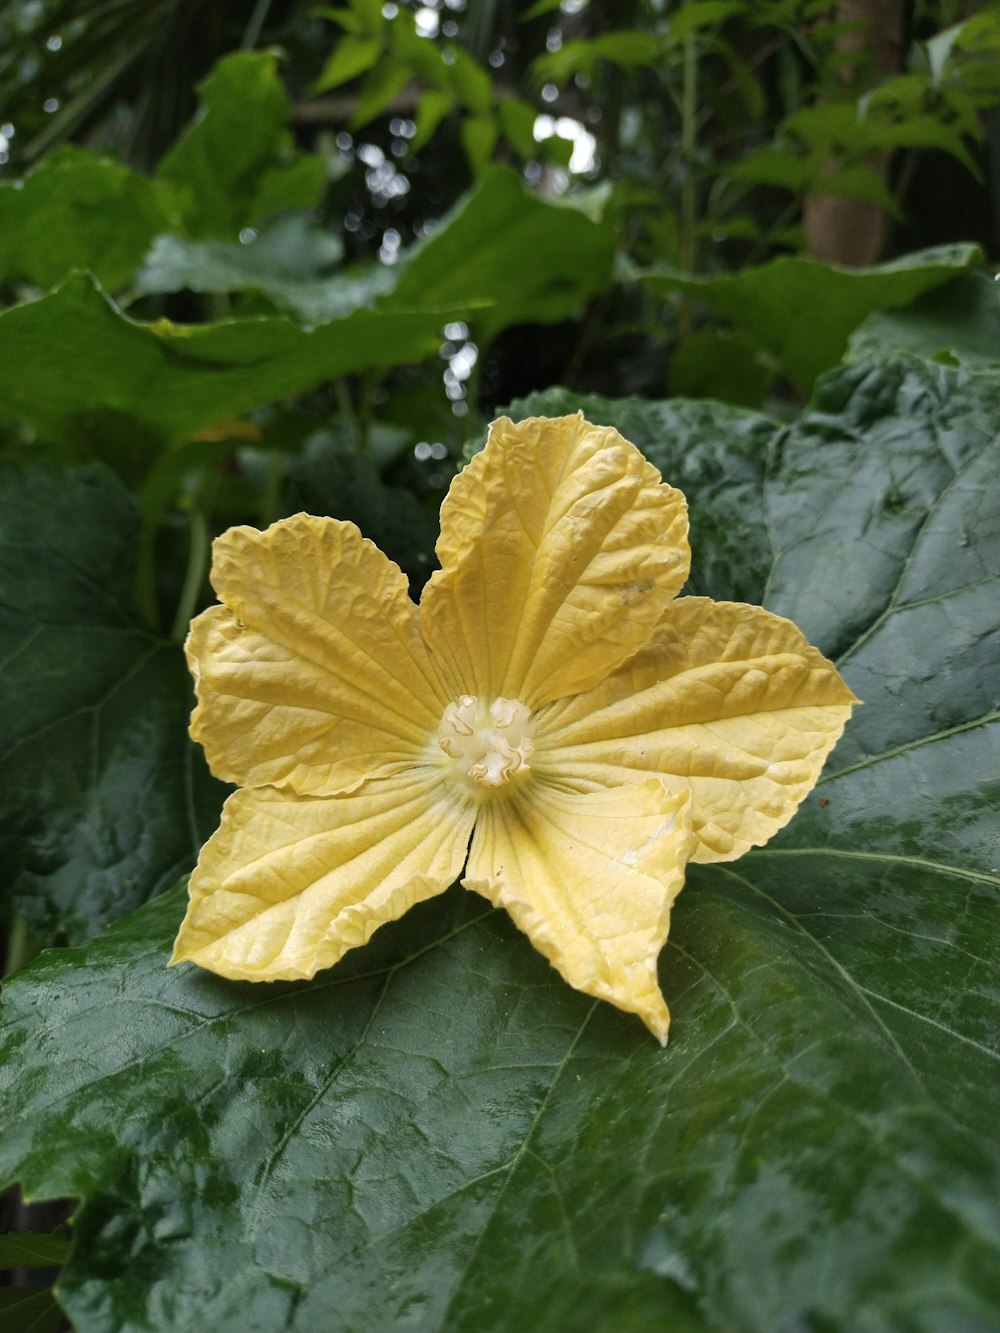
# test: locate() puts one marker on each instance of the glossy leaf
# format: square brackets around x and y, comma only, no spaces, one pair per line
[78,370]
[438,1133]
[328,478]
[104,799]
[802,311]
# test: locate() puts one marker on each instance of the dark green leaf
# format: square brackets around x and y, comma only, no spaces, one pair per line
[78,370]
[331,479]
[235,164]
[472,84]
[431,110]
[714,363]
[389,77]
[802,311]
[30,1310]
[439,1134]
[503,256]
[694,16]
[27,1250]
[78,210]
[105,801]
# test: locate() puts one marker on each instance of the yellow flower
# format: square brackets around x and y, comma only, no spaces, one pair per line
[550,701]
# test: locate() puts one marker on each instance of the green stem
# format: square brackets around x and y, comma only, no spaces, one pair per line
[194,575]
[22,946]
[253,29]
[689,196]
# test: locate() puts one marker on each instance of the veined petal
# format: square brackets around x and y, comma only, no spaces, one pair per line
[559,549]
[590,880]
[727,700]
[313,675]
[289,883]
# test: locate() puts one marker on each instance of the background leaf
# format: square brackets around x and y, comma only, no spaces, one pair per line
[79,210]
[957,323]
[79,371]
[105,801]
[25,1250]
[506,249]
[235,165]
[802,311]
[30,1310]
[439,1134]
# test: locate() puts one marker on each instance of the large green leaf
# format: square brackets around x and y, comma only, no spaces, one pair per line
[288,263]
[78,370]
[506,249]
[959,323]
[79,210]
[802,311]
[439,1134]
[235,164]
[104,800]
[502,256]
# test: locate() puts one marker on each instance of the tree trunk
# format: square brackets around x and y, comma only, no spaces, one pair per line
[853,231]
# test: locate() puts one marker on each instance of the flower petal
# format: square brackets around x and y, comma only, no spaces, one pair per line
[727,700]
[289,883]
[559,549]
[313,675]
[590,880]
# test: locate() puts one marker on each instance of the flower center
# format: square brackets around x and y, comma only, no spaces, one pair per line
[489,742]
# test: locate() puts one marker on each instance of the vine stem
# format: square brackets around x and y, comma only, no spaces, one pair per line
[689,197]
[194,575]
[22,946]
[252,32]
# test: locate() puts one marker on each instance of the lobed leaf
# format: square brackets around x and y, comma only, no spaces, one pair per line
[78,370]
[802,311]
[104,799]
[439,1133]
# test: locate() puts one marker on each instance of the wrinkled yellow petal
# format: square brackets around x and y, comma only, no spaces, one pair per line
[590,880]
[313,675]
[559,549]
[726,699]
[289,883]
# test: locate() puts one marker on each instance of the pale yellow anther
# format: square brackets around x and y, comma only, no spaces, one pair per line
[489,742]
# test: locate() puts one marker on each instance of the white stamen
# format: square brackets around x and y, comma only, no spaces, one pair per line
[489,742]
